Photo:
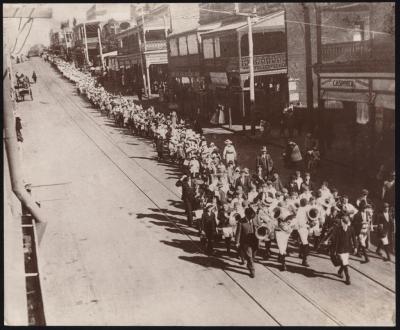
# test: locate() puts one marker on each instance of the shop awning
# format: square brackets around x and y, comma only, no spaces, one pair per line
[385,101]
[343,96]
[273,22]
[110,54]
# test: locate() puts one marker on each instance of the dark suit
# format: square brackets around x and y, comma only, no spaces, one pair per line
[292,186]
[209,226]
[343,241]
[385,229]
[266,163]
[278,185]
[246,185]
[248,242]
[188,197]
[310,185]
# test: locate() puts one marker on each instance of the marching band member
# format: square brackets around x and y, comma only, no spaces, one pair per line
[265,217]
[226,225]
[298,180]
[343,243]
[282,232]
[362,222]
[307,194]
[363,198]
[194,166]
[325,192]
[208,226]
[384,221]
[276,182]
[188,196]
[302,221]
[307,182]
[243,181]
[252,194]
[347,208]
[246,240]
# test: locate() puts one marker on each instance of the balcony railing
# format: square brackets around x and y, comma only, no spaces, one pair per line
[265,62]
[154,45]
[346,52]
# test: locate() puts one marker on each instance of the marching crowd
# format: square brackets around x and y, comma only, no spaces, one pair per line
[251,210]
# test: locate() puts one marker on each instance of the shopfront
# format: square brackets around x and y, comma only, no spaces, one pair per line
[358,119]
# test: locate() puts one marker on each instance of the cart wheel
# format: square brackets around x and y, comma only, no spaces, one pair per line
[30,93]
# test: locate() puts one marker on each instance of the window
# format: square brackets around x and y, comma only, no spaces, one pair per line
[217,47]
[182,46]
[173,48]
[192,44]
[208,49]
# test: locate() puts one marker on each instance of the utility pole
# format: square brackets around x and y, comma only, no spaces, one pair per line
[251,76]
[100,46]
[86,46]
[309,80]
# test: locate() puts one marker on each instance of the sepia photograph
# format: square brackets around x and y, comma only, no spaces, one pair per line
[199,164]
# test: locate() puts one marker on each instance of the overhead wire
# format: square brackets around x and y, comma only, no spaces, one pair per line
[26,37]
[292,21]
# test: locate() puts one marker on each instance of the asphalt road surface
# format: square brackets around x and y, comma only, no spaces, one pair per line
[116,250]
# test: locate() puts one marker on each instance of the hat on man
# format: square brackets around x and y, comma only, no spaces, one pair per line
[227,141]
[263,149]
[268,201]
[364,192]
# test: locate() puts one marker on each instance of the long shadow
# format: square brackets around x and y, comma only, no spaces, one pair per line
[307,272]
[168,211]
[217,263]
[176,204]
[137,157]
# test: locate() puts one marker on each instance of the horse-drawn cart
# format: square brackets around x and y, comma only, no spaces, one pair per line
[22,89]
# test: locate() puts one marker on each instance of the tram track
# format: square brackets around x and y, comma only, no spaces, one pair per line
[177,195]
[63,101]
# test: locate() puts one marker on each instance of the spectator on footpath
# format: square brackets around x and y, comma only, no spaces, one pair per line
[293,156]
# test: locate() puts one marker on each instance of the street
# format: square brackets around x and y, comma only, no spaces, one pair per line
[117,250]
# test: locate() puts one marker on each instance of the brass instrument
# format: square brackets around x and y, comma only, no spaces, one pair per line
[285,219]
[312,216]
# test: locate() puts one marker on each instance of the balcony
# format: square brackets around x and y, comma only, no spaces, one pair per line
[152,45]
[264,62]
[344,52]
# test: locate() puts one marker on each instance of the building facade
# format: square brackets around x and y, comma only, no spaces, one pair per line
[142,50]
[357,80]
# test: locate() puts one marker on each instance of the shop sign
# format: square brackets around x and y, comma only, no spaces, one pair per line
[334,83]
[179,74]
[157,58]
[219,78]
